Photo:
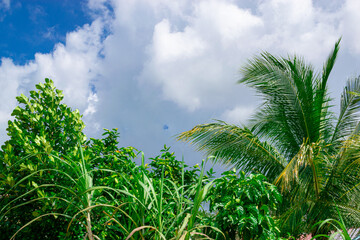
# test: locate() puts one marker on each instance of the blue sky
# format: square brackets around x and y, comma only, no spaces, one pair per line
[155,68]
[34,26]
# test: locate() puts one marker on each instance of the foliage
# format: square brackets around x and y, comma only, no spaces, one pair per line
[172,168]
[243,206]
[136,210]
[339,227]
[159,201]
[58,185]
[41,124]
[173,216]
[45,129]
[80,195]
[295,140]
[176,170]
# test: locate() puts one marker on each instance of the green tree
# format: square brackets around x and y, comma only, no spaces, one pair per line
[295,140]
[42,124]
[43,151]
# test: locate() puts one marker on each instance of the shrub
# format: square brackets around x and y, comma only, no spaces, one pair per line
[243,205]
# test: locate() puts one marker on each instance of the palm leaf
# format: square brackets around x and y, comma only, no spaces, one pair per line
[329,64]
[349,111]
[290,112]
[232,145]
[310,159]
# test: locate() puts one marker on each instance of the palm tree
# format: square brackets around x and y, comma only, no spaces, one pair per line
[295,140]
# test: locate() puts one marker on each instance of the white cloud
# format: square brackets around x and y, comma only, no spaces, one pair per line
[196,58]
[91,108]
[170,46]
[198,64]
[10,84]
[73,66]
[224,22]
[127,12]
[238,115]
[187,52]
[299,27]
[349,25]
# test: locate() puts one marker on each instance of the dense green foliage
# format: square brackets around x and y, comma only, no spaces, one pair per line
[172,168]
[243,206]
[296,141]
[55,184]
[42,124]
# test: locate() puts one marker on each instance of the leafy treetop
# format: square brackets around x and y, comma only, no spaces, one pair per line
[43,123]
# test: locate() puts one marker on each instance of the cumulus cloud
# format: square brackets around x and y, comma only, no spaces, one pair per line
[299,27]
[120,68]
[225,23]
[191,52]
[351,32]
[194,66]
[74,67]
[238,115]
[9,85]
[194,61]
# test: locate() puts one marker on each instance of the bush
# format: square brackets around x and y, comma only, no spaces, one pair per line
[243,204]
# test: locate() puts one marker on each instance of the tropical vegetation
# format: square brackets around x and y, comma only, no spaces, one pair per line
[296,141]
[56,184]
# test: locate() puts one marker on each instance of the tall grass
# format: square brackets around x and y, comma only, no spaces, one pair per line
[174,214]
[77,195]
[141,208]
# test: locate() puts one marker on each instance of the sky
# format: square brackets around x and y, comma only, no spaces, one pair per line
[156,68]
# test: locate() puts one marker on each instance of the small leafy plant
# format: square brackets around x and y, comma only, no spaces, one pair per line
[243,205]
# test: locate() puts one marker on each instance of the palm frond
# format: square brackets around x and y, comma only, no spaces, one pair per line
[291,111]
[349,111]
[311,159]
[328,66]
[292,139]
[321,113]
[343,182]
[232,145]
